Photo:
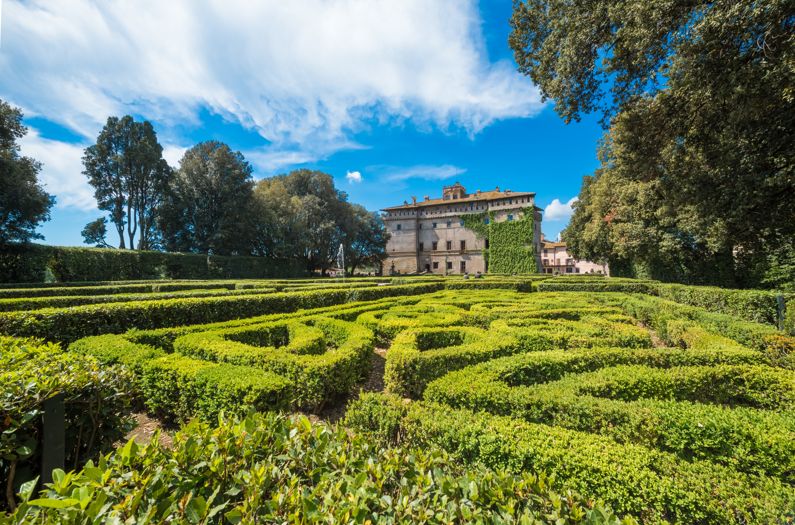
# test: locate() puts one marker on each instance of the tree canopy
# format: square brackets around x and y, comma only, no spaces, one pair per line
[209,204]
[23,202]
[129,176]
[697,170]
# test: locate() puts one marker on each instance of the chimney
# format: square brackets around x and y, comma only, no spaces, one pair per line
[427,198]
[413,199]
[507,191]
[498,189]
[478,192]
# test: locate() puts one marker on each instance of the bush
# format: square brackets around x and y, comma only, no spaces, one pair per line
[70,324]
[652,486]
[33,263]
[569,389]
[270,469]
[96,401]
[35,303]
[303,362]
[752,305]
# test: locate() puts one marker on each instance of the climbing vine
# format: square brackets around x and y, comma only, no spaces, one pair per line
[511,247]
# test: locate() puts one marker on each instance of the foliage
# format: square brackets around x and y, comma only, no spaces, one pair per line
[23,202]
[208,207]
[366,244]
[34,263]
[95,233]
[96,402]
[511,243]
[271,469]
[653,486]
[129,176]
[696,173]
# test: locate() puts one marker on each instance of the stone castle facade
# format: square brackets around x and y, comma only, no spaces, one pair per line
[429,236]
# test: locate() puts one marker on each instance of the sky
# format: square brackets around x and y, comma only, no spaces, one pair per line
[393,99]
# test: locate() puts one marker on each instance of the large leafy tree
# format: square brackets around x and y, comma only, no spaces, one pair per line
[209,207]
[23,202]
[697,171]
[366,243]
[302,214]
[129,176]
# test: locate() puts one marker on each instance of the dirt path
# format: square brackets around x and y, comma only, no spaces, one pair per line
[373,383]
[145,428]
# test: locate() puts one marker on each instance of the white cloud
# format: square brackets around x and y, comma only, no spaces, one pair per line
[304,74]
[420,171]
[173,154]
[557,210]
[61,172]
[353,177]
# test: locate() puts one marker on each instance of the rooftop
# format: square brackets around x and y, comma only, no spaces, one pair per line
[456,193]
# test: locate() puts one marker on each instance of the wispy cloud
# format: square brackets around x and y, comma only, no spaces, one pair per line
[557,211]
[61,173]
[420,171]
[306,75]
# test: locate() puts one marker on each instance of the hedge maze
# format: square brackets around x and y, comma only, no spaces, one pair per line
[631,394]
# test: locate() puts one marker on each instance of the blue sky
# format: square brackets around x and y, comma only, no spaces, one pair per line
[393,99]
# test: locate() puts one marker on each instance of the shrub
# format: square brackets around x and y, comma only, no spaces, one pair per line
[551,388]
[653,486]
[270,469]
[96,400]
[70,324]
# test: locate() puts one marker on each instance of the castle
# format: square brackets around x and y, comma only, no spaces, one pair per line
[457,233]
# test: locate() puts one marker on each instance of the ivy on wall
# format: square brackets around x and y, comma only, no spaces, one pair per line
[511,243]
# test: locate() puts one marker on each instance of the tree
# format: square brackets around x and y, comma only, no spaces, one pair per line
[209,206]
[23,202]
[697,167]
[311,216]
[366,244]
[129,176]
[95,233]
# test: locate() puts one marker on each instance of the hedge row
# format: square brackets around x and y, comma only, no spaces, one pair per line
[658,313]
[39,263]
[116,288]
[265,366]
[35,303]
[268,469]
[569,389]
[420,355]
[70,324]
[651,485]
[96,404]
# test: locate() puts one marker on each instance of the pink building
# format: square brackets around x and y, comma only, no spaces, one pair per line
[556,260]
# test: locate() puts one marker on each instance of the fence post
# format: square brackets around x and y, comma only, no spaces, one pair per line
[53,437]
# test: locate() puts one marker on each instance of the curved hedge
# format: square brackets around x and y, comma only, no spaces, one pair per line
[654,486]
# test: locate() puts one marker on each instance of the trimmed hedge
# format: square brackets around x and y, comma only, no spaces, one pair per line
[96,404]
[268,469]
[533,387]
[650,485]
[70,324]
[40,263]
[299,363]
[35,303]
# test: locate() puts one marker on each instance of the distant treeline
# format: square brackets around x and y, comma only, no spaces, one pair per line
[209,205]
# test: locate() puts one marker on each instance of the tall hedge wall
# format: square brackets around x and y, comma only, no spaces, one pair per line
[39,263]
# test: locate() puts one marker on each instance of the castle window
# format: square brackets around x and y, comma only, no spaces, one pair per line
[449,245]
[399,227]
[486,220]
[422,247]
[434,225]
[463,245]
[449,223]
[461,222]
[436,265]
[435,245]
[449,265]
[510,217]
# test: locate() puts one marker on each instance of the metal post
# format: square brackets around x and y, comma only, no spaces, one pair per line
[53,437]
[782,311]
